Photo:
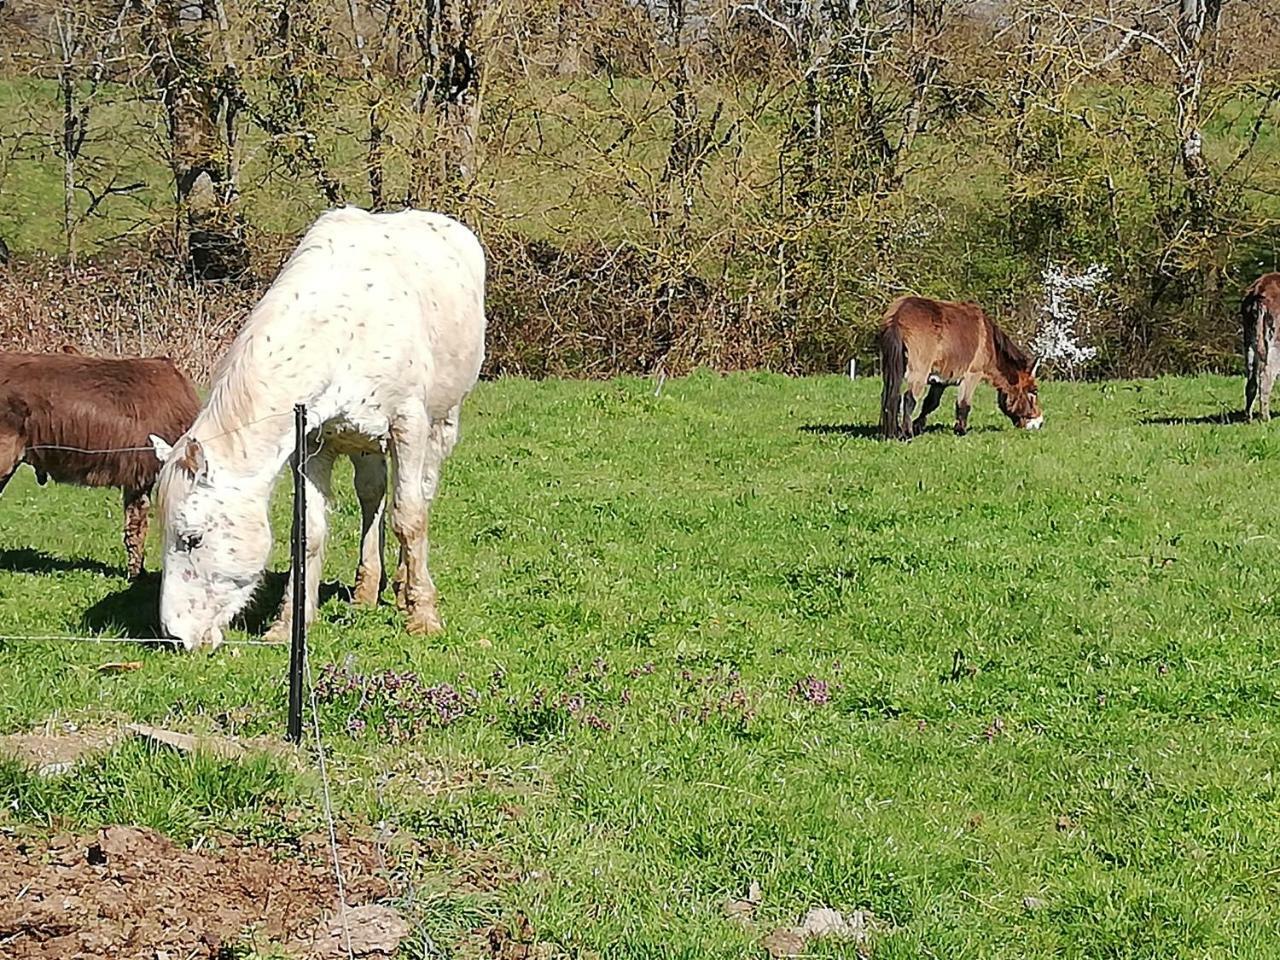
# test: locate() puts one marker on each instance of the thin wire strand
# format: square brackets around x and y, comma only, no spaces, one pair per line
[5,638]
[59,446]
[216,436]
[303,460]
[328,803]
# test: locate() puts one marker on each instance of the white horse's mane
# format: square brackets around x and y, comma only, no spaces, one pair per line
[245,394]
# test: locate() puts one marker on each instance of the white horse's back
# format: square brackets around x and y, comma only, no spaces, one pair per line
[372,311]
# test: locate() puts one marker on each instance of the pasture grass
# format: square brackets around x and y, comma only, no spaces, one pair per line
[723,634]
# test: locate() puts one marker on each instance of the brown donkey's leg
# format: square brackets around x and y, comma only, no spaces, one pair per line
[964,403]
[1252,367]
[931,402]
[917,387]
[136,505]
[908,424]
[1270,367]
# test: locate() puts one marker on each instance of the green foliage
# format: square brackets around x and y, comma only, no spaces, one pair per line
[1049,659]
[797,237]
[134,784]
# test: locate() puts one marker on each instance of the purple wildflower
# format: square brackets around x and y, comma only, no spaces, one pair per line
[812,690]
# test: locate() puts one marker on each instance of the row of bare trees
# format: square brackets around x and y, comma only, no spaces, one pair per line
[725,181]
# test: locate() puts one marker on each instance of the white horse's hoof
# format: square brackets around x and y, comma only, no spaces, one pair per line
[280,632]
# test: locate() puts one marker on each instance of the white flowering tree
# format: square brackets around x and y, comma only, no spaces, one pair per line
[1067,312]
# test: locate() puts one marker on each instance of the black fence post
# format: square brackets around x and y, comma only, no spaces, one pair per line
[298,645]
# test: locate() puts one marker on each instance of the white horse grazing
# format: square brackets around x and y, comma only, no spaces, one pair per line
[376,323]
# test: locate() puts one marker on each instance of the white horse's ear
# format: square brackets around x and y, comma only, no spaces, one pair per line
[161,447]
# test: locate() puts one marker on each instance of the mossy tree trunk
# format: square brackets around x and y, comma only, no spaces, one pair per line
[180,36]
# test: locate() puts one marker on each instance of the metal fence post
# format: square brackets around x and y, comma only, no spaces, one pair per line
[298,644]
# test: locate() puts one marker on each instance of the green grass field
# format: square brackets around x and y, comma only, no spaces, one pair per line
[722,635]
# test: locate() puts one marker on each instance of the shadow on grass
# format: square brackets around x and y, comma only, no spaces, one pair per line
[27,560]
[261,612]
[1221,419]
[131,611]
[864,431]
[867,431]
[134,611]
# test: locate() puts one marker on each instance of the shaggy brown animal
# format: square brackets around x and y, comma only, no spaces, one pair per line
[1260,316]
[931,344]
[86,421]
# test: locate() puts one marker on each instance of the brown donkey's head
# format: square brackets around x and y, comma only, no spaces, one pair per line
[13,423]
[1021,402]
[1016,383]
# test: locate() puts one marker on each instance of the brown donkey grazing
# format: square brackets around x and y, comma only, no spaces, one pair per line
[87,421]
[1260,315]
[933,344]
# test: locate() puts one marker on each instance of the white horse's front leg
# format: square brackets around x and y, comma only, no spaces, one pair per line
[317,474]
[371,491]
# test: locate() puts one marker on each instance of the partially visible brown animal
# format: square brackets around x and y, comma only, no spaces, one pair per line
[932,344]
[87,421]
[1260,316]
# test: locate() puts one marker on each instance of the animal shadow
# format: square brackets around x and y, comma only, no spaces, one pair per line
[261,612]
[864,431]
[867,431]
[26,560]
[133,611]
[1221,418]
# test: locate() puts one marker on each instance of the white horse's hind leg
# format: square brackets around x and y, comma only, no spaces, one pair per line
[414,589]
[444,435]
[317,474]
[371,491]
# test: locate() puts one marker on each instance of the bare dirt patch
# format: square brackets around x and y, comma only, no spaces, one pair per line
[126,892]
[54,749]
[50,752]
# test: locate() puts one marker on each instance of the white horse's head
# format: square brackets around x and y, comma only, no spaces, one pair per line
[216,542]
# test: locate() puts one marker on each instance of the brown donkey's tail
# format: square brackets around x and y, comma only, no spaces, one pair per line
[893,366]
[1256,317]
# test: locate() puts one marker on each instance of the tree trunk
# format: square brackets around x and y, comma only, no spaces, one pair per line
[459,94]
[925,26]
[445,146]
[74,119]
[571,15]
[375,161]
[1196,21]
[180,36]
[70,148]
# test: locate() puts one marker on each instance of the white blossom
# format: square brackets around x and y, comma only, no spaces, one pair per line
[1068,302]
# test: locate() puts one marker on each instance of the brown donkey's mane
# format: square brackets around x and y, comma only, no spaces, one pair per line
[1009,356]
